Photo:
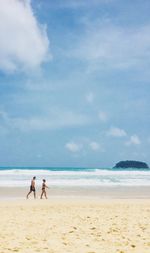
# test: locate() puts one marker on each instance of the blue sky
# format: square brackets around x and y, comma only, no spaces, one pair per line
[74,78]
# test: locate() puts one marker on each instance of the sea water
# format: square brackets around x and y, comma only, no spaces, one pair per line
[74,177]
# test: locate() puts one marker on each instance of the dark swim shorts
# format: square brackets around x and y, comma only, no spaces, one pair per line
[32,189]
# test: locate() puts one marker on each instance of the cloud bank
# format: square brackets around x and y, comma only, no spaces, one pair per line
[103,44]
[24,42]
[55,119]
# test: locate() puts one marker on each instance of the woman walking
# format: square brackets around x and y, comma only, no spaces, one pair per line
[44,186]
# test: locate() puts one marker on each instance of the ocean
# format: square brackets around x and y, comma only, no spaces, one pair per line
[74,177]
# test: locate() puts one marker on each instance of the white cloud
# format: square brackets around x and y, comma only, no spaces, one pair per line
[134,140]
[83,145]
[106,45]
[90,97]
[94,146]
[116,132]
[103,116]
[24,43]
[73,147]
[55,119]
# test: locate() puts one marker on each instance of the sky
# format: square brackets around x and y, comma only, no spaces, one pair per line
[74,82]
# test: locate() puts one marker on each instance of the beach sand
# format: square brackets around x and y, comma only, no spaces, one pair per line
[75,225]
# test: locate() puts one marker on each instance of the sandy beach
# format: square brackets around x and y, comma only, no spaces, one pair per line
[75,225]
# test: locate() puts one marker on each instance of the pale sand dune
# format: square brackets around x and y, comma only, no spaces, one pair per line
[87,226]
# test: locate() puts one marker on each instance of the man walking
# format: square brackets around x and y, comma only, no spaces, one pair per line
[32,188]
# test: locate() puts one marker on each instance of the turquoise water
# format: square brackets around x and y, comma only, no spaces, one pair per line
[74,177]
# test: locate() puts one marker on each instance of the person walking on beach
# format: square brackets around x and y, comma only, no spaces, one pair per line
[32,188]
[44,186]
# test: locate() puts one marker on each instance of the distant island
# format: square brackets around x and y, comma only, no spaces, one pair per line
[131,164]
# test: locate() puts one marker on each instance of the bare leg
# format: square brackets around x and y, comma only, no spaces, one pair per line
[28,194]
[41,194]
[35,194]
[45,194]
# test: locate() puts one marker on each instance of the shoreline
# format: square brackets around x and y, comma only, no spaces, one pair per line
[111,192]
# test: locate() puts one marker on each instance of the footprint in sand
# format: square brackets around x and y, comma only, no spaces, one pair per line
[133,246]
[65,243]
[28,238]
[93,228]
[74,228]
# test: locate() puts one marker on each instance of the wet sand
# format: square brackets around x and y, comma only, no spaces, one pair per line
[118,192]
